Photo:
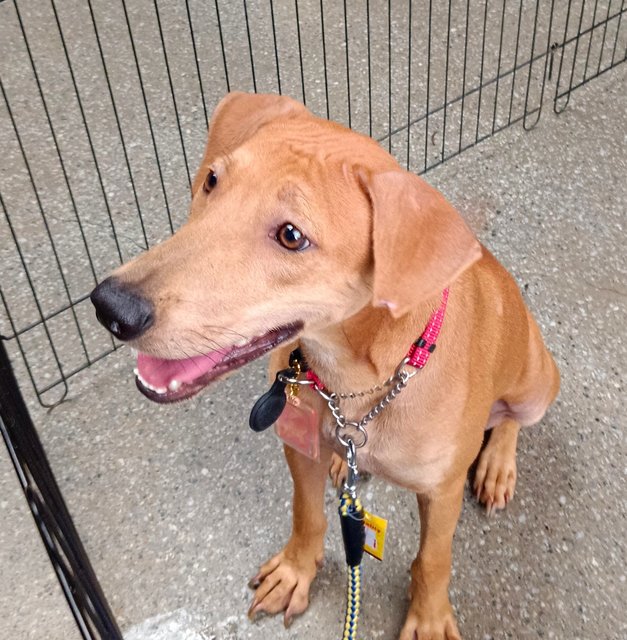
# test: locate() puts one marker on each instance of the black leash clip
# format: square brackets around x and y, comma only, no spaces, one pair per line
[351,512]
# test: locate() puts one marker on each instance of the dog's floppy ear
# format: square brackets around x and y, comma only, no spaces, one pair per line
[237,117]
[420,242]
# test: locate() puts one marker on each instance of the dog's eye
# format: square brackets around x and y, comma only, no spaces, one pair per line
[291,237]
[210,181]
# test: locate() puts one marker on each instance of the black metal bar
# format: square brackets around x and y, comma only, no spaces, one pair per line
[276,48]
[594,16]
[300,54]
[390,74]
[620,17]
[557,109]
[324,58]
[148,117]
[25,359]
[224,62]
[463,95]
[428,87]
[409,52]
[448,46]
[348,68]
[485,22]
[369,69]
[526,112]
[577,41]
[498,67]
[118,122]
[250,47]
[533,47]
[172,93]
[198,73]
[511,96]
[76,576]
[607,15]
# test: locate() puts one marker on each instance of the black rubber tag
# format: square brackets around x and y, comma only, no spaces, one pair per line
[271,404]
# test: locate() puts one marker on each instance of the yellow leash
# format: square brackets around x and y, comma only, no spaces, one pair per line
[352,603]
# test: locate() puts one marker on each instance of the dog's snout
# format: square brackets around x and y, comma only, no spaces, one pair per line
[121,309]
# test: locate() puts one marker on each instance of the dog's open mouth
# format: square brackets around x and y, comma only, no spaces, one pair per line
[164,380]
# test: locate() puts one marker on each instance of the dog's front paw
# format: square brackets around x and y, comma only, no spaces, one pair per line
[430,623]
[283,583]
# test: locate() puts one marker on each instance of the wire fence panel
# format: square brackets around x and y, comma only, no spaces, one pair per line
[104,108]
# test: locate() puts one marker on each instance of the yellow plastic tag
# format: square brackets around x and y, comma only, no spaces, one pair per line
[376,528]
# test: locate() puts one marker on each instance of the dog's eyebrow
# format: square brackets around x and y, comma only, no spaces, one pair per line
[227,158]
[294,197]
[291,191]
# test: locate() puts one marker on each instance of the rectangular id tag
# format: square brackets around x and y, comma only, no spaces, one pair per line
[297,426]
[376,528]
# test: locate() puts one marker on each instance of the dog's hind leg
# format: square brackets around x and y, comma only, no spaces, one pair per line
[283,582]
[524,405]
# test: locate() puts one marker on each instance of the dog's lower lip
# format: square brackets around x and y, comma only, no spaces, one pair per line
[239,357]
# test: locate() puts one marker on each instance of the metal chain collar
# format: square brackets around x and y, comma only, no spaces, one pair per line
[398,381]
[351,395]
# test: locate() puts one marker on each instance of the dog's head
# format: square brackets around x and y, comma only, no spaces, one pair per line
[296,224]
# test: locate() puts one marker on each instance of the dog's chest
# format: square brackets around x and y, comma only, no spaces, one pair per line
[402,446]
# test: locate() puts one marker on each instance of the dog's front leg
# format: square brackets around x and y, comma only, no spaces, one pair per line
[283,582]
[430,613]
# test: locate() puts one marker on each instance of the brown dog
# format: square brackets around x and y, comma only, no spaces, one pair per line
[303,230]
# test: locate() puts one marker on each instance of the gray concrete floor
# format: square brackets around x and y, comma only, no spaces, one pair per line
[178,505]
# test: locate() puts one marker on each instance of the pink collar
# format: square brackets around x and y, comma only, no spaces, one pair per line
[420,351]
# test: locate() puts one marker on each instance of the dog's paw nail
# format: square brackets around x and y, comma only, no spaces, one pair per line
[254,582]
[287,622]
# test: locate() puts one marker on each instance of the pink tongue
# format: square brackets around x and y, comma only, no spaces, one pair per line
[159,372]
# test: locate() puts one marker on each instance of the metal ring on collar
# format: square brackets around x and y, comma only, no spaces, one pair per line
[285,380]
[402,373]
[346,442]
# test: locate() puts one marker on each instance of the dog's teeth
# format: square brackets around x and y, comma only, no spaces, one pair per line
[241,343]
[174,385]
[145,383]
[136,373]
[160,390]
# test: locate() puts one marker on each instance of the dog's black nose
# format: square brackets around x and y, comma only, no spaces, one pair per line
[120,309]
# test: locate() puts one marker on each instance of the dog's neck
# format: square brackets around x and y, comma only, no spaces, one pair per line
[365,349]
